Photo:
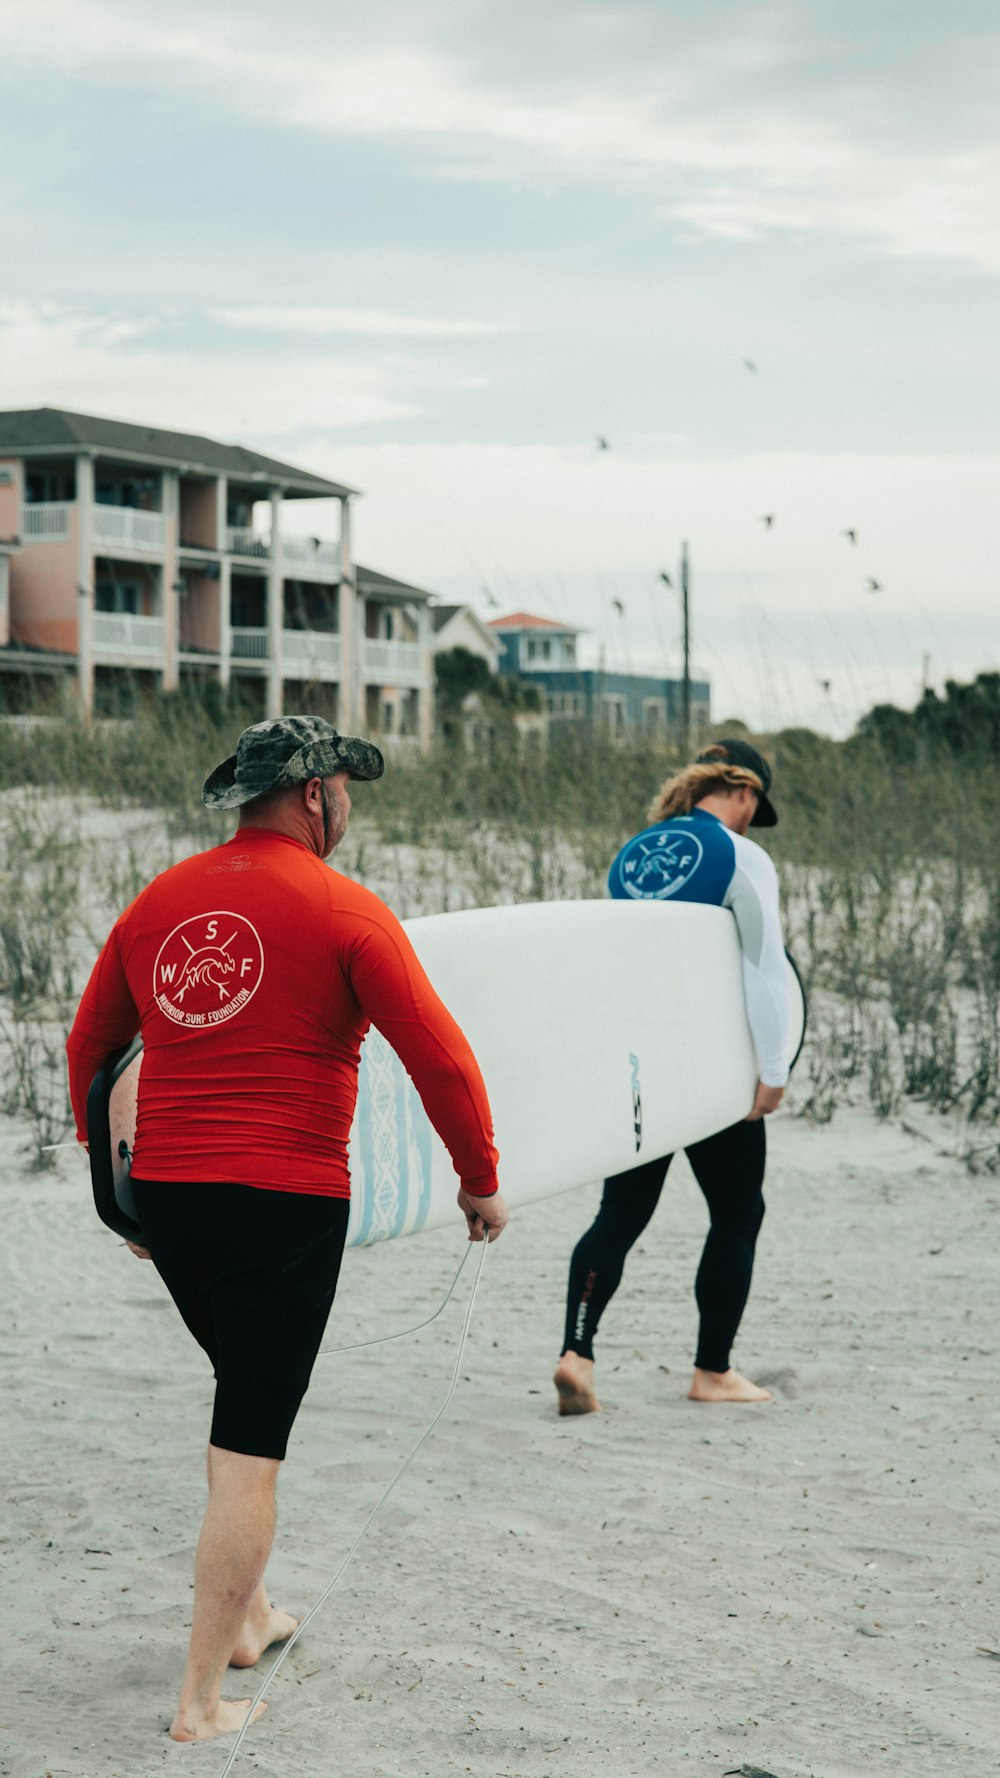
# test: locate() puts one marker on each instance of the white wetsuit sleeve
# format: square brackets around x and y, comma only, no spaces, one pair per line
[753,897]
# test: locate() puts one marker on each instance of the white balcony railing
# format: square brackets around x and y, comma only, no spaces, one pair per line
[394,663]
[129,529]
[47,521]
[311,648]
[242,541]
[316,651]
[311,558]
[249,645]
[118,632]
[307,558]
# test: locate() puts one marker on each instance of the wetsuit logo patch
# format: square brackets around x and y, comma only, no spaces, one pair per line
[652,868]
[208,969]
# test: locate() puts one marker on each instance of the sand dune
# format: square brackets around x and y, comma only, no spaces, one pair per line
[807,1588]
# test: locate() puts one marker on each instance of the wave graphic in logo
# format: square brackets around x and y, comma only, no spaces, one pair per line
[653,867]
[208,969]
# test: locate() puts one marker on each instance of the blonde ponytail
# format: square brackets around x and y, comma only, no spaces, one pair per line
[679,795]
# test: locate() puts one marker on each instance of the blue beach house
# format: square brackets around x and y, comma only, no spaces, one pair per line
[630,706]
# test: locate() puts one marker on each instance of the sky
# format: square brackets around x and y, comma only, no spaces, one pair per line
[438,249]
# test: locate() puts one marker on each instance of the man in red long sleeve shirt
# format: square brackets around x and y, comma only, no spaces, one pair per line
[253,973]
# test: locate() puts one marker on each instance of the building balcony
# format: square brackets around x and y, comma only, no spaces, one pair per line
[118,632]
[310,558]
[306,654]
[314,653]
[115,527]
[304,558]
[47,521]
[393,663]
[248,645]
[560,660]
[241,541]
[123,527]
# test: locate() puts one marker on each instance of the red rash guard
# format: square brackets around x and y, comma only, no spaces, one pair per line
[253,972]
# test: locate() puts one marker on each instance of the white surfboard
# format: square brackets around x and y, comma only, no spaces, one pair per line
[608,1033]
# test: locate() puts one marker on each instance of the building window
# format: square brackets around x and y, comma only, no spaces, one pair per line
[654,718]
[246,608]
[568,705]
[119,596]
[614,715]
[42,486]
[140,493]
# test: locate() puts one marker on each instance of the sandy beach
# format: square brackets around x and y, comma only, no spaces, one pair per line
[807,1589]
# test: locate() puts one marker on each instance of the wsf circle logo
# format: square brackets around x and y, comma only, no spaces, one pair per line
[655,865]
[208,969]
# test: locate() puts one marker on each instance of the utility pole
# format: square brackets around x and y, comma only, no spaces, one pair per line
[686,687]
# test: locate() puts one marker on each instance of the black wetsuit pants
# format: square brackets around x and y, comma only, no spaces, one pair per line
[253,1272]
[729,1167]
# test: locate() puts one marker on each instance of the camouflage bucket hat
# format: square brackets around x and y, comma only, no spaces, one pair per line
[287,750]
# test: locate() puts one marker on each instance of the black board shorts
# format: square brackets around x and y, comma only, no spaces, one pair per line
[253,1273]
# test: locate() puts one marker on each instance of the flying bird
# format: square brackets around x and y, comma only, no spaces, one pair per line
[824,684]
[666,579]
[750,365]
[619,607]
[767,519]
[602,443]
[488,596]
[852,536]
[874,586]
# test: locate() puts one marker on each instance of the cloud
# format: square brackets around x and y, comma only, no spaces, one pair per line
[564,531]
[914,206]
[374,323]
[55,357]
[738,130]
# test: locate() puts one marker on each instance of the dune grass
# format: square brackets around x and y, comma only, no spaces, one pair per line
[890,872]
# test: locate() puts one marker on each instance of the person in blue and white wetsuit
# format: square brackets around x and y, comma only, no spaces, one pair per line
[697,850]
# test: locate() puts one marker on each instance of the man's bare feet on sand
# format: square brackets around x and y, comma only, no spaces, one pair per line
[724,1386]
[574,1380]
[258,1633]
[225,1719]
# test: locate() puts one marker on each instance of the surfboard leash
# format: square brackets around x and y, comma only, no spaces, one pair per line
[383,1497]
[360,1345]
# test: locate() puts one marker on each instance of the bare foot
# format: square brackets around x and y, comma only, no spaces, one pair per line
[258,1633]
[226,1719]
[574,1380]
[724,1386]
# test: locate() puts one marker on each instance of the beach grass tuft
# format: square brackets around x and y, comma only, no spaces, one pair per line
[889,857]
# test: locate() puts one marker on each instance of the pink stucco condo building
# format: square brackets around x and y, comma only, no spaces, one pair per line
[130,549]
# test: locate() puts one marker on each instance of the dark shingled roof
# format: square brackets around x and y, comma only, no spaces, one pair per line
[443,614]
[53,428]
[368,580]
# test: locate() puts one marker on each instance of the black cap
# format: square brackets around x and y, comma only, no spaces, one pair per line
[740,753]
